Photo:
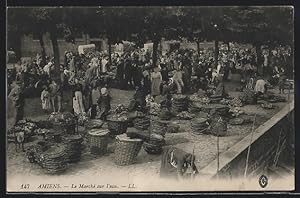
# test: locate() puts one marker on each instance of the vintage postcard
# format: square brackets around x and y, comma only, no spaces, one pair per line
[156,99]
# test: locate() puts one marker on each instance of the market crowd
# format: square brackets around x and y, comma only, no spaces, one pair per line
[180,71]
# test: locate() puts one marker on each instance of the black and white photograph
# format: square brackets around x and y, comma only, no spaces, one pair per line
[150,99]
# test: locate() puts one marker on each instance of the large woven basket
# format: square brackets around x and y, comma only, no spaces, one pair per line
[126,150]
[98,141]
[117,127]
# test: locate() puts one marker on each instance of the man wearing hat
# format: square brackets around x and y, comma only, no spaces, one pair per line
[17,97]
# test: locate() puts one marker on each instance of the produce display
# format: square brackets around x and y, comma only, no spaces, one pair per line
[248,96]
[63,119]
[184,115]
[235,111]
[141,123]
[267,106]
[94,124]
[200,99]
[25,126]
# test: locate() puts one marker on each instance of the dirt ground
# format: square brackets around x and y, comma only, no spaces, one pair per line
[146,165]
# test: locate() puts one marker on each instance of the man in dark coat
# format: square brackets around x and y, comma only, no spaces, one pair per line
[128,73]
[137,73]
[17,97]
[120,72]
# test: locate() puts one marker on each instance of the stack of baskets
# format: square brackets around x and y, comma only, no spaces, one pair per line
[197,102]
[141,123]
[222,110]
[158,126]
[157,131]
[199,126]
[195,107]
[180,103]
[126,150]
[98,141]
[73,147]
[154,145]
[54,159]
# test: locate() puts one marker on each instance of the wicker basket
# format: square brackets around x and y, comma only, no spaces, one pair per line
[218,127]
[126,150]
[98,141]
[117,127]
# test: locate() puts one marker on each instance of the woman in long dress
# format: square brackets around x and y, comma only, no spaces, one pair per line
[156,80]
[77,100]
[104,102]
[45,98]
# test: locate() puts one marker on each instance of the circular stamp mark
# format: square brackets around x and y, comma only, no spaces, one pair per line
[263,181]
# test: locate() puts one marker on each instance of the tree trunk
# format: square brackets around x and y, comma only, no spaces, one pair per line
[109,50]
[258,58]
[55,48]
[198,47]
[228,46]
[14,42]
[160,47]
[154,53]
[216,52]
[43,52]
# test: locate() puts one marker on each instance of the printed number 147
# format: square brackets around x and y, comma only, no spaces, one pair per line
[25,186]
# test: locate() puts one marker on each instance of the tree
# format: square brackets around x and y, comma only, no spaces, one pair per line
[48,20]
